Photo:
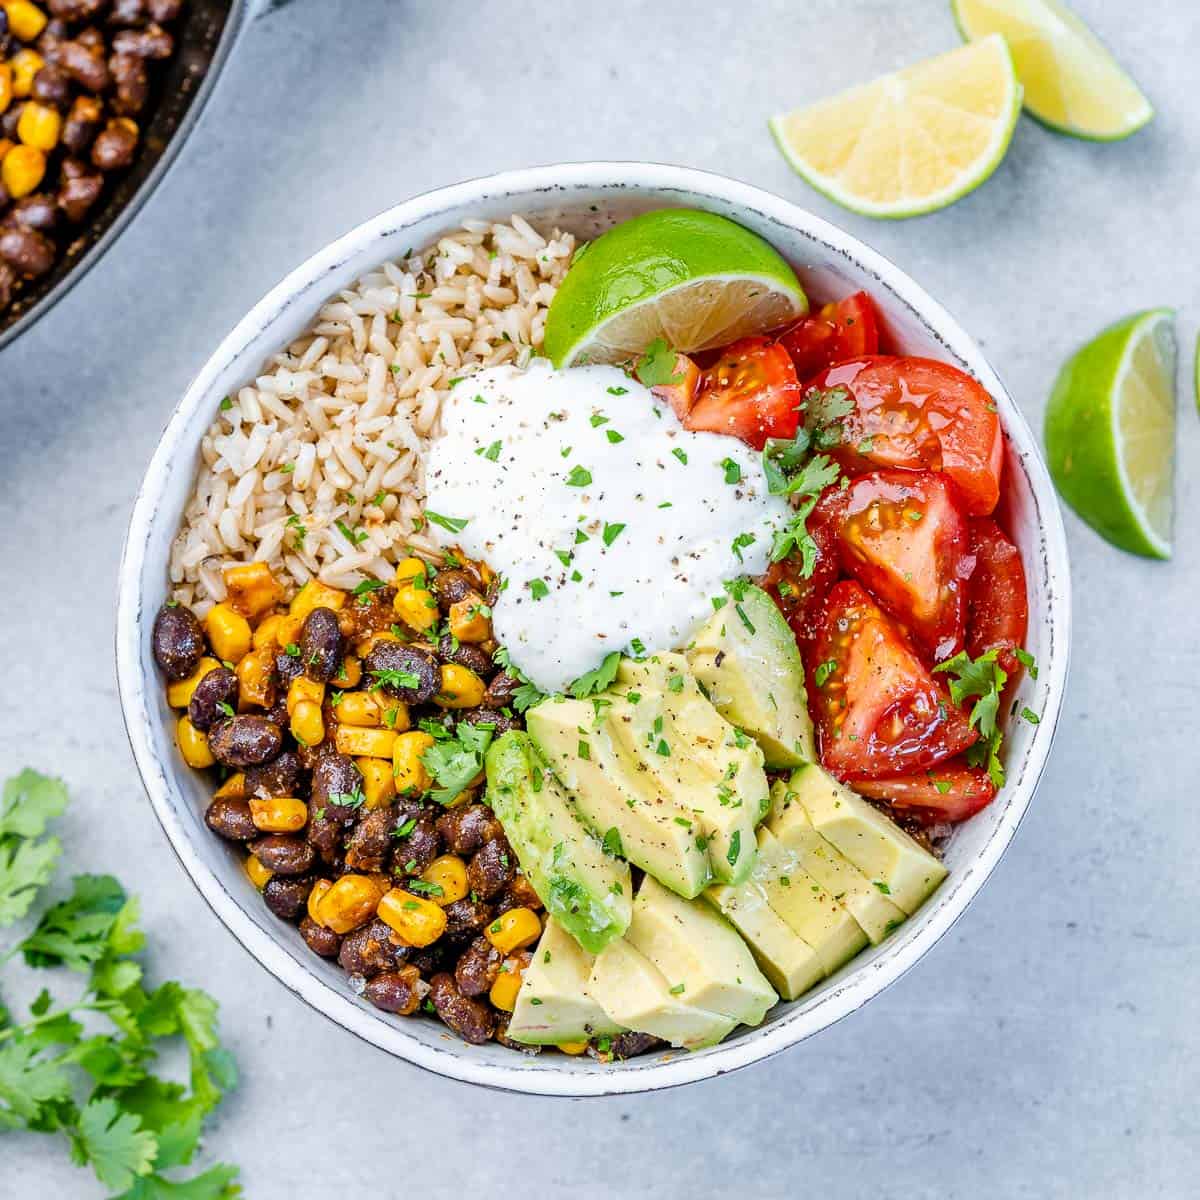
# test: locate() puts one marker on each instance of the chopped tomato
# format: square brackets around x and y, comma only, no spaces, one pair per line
[846,329]
[998,607]
[681,394]
[878,711]
[800,598]
[947,793]
[922,415]
[904,537]
[750,392]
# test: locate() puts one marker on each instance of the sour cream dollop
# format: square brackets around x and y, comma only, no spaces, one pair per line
[612,526]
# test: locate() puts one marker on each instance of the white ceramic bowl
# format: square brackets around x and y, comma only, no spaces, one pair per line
[585,198]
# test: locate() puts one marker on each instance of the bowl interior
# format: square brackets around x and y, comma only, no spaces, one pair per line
[830,265]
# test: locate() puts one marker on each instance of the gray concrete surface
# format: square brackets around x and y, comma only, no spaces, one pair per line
[1048,1046]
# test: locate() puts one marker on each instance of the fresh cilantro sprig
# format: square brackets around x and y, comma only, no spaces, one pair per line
[94,1085]
[598,679]
[983,680]
[528,694]
[656,366]
[455,761]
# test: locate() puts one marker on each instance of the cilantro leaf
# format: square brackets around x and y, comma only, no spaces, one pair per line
[74,932]
[598,679]
[656,366]
[983,680]
[29,801]
[453,763]
[115,1143]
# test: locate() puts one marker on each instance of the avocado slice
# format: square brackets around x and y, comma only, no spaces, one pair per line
[898,867]
[634,993]
[588,891]
[700,954]
[748,663]
[610,793]
[679,739]
[865,902]
[553,1004]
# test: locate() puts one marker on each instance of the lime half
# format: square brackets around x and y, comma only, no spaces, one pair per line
[693,278]
[1072,83]
[911,142]
[1110,432]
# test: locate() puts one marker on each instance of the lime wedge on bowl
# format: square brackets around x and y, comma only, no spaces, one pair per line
[911,142]
[1072,83]
[1110,432]
[692,278]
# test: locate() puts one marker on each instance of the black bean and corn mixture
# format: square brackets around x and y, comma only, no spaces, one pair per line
[75,79]
[346,732]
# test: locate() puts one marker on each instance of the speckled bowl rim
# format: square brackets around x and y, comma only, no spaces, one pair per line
[555,1075]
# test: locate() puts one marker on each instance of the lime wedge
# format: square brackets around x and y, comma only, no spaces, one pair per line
[1110,432]
[1072,83]
[911,142]
[693,278]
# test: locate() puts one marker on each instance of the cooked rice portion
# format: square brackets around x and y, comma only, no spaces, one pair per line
[316,466]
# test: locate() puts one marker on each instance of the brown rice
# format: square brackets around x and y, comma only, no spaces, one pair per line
[315,467]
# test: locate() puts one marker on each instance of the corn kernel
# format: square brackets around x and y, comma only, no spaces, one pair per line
[358,708]
[22,170]
[266,633]
[379,785]
[409,770]
[193,744]
[228,633]
[508,983]
[415,921]
[278,814]
[308,724]
[234,788]
[448,874]
[25,20]
[256,678]
[364,646]
[514,929]
[369,743]
[409,569]
[315,594]
[318,893]
[179,694]
[252,589]
[349,672]
[393,713]
[572,1048]
[415,606]
[287,632]
[25,65]
[461,688]
[349,903]
[259,875]
[470,619]
[303,690]
[39,125]
[6,89]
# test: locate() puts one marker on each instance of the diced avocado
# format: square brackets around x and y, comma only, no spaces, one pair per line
[553,1004]
[898,867]
[791,827]
[680,740]
[806,906]
[589,891]
[610,793]
[747,660]
[634,993]
[700,953]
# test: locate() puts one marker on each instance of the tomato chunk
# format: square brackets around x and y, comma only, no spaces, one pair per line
[681,394]
[878,711]
[946,793]
[998,606]
[922,415]
[750,392]
[904,537]
[800,598]
[846,329]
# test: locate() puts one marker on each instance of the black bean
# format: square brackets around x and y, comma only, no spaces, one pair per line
[519,893]
[245,741]
[318,939]
[395,991]
[472,1021]
[84,65]
[9,120]
[75,10]
[627,1045]
[8,277]
[231,818]
[285,854]
[500,722]
[501,690]
[491,868]
[125,12]
[177,641]
[465,654]
[370,840]
[77,195]
[26,250]
[321,644]
[408,673]
[370,949]
[467,916]
[451,587]
[280,777]
[132,84]
[163,11]
[288,667]
[478,967]
[412,854]
[115,145]
[335,780]
[215,698]
[38,211]
[286,896]
[82,124]
[466,829]
[51,86]
[152,42]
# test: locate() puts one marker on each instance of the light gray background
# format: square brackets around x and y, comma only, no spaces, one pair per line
[1048,1047]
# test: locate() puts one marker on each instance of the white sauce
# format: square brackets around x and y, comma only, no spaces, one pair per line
[514,443]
